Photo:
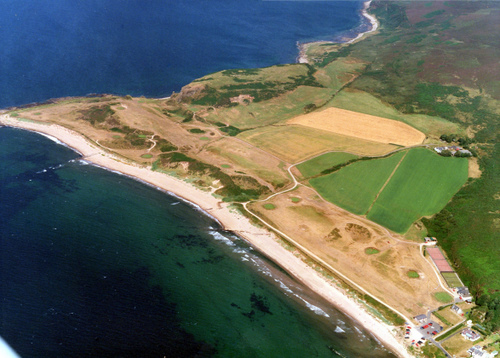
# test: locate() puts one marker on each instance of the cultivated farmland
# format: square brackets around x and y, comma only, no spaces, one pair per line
[360,125]
[422,185]
[355,187]
[363,102]
[295,143]
[326,161]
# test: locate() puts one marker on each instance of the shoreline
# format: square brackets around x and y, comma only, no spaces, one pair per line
[260,238]
[302,57]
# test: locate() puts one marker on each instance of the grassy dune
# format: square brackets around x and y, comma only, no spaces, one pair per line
[274,110]
[355,187]
[421,186]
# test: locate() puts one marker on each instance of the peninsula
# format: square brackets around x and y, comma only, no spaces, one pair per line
[329,166]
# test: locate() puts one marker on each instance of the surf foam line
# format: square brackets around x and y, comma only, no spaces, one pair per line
[48,136]
[264,269]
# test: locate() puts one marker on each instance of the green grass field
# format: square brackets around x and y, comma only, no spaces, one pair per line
[412,274]
[316,165]
[422,185]
[355,186]
[452,279]
[269,206]
[275,110]
[443,297]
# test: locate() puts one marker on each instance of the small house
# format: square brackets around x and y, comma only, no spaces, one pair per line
[464,294]
[457,310]
[478,352]
[420,318]
[470,335]
[453,149]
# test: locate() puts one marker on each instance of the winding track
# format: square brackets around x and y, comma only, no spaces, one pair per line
[296,183]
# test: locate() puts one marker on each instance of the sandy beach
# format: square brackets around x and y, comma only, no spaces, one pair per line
[261,239]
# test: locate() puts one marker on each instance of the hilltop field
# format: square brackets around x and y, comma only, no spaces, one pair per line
[353,134]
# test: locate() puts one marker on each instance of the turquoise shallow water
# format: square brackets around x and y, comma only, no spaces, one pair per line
[96,264]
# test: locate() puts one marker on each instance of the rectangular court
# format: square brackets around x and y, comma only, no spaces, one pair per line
[439,259]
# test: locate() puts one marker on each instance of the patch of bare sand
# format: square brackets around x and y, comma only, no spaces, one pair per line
[262,239]
[360,125]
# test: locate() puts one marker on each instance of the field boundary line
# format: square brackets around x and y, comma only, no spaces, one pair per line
[386,182]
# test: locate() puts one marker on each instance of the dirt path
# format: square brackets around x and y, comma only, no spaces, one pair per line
[152,140]
[366,221]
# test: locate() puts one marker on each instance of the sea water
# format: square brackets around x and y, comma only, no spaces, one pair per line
[64,48]
[96,264]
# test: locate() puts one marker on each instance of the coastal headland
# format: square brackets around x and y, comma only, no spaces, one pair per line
[288,157]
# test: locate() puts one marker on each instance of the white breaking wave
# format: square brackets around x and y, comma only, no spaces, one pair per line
[261,267]
[339,330]
[219,237]
[240,251]
[50,168]
[312,307]
[83,162]
[316,309]
[54,139]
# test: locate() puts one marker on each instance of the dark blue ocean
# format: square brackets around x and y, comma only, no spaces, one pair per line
[61,48]
[94,264]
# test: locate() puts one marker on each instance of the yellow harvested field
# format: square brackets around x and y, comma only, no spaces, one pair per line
[360,125]
[296,143]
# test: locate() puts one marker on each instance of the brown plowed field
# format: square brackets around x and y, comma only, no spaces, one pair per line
[360,125]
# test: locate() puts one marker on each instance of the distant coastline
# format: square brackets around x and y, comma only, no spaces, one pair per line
[373,23]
